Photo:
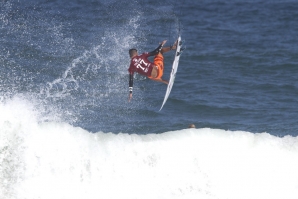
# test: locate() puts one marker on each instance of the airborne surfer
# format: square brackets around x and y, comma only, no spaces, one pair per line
[141,64]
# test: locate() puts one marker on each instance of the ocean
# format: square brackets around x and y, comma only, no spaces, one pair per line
[67,129]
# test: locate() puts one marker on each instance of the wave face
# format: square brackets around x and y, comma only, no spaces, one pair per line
[57,160]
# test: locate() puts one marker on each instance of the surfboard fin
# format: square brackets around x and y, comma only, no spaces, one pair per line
[181,50]
[180,43]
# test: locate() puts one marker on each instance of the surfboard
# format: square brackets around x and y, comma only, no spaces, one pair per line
[174,71]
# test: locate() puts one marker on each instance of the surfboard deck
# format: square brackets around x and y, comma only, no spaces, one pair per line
[174,71]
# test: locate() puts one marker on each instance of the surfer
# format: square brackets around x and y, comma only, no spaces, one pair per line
[191,126]
[141,64]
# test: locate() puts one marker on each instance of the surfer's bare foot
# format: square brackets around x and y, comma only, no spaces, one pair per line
[174,46]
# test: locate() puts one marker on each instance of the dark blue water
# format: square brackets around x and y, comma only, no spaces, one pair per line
[70,59]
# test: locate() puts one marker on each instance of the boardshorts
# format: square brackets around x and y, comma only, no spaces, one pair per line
[158,62]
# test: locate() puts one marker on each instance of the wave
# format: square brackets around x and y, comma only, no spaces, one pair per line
[65,161]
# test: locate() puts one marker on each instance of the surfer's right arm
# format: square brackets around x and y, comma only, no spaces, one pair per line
[130,86]
[158,49]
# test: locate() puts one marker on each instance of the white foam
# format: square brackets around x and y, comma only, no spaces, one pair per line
[57,160]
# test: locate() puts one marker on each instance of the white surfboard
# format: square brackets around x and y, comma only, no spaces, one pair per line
[174,71]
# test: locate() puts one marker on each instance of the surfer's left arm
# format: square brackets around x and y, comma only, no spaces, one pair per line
[130,86]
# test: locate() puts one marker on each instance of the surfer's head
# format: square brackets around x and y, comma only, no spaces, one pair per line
[191,126]
[133,52]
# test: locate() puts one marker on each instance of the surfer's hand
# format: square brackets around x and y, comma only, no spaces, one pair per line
[163,42]
[130,97]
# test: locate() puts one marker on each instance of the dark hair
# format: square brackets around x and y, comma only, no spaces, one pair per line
[132,51]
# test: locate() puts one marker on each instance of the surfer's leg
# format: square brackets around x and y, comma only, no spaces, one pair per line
[167,49]
[158,61]
[157,74]
[160,80]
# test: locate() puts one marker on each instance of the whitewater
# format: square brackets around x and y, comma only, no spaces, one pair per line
[57,160]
